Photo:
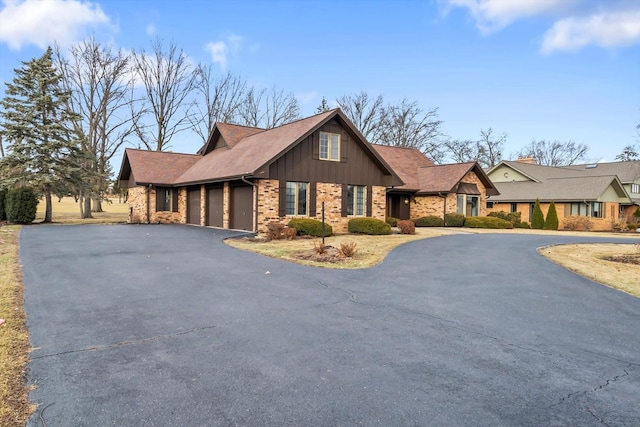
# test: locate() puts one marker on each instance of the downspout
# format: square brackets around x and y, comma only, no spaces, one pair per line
[148,201]
[444,211]
[255,202]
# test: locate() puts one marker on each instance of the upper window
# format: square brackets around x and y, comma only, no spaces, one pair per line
[330,146]
[635,188]
[297,198]
[356,200]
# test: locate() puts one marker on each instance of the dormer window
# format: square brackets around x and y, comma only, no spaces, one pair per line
[330,146]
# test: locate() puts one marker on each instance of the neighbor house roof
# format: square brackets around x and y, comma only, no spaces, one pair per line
[155,167]
[247,151]
[567,189]
[405,162]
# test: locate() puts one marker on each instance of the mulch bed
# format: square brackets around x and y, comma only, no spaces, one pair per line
[330,254]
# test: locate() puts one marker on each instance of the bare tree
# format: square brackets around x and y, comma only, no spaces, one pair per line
[461,150]
[555,153]
[407,125]
[168,80]
[365,113]
[629,153]
[267,109]
[490,148]
[219,99]
[100,82]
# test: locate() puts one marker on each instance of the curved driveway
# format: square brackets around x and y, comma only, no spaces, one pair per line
[166,325]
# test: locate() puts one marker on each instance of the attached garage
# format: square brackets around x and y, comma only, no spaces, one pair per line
[193,207]
[241,214]
[215,206]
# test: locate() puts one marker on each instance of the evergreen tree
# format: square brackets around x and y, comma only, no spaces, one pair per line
[324,106]
[551,223]
[537,221]
[37,127]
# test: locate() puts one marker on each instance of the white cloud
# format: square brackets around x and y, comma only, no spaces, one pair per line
[607,30]
[151,30]
[493,15]
[220,50]
[43,22]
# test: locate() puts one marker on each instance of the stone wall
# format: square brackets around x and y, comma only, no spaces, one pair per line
[137,201]
[166,217]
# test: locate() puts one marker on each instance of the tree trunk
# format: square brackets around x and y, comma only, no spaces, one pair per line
[80,202]
[97,205]
[48,208]
[87,207]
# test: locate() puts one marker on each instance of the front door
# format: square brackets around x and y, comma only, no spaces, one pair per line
[241,215]
[215,207]
[193,206]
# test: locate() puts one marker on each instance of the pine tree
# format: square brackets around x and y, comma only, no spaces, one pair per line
[37,127]
[324,106]
[537,221]
[551,223]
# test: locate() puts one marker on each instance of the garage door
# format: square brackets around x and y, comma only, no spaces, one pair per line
[193,207]
[241,215]
[214,207]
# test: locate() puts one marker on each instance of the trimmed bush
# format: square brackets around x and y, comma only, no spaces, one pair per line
[577,223]
[21,205]
[631,226]
[637,213]
[522,225]
[368,226]
[310,227]
[551,223]
[454,220]
[429,221]
[274,230]
[537,222]
[392,221]
[487,222]
[513,217]
[407,227]
[3,213]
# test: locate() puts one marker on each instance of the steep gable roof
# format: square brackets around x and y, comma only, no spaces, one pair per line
[445,178]
[405,162]
[232,134]
[154,167]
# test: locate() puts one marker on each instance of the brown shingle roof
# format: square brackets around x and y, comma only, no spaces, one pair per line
[585,188]
[442,178]
[405,162]
[233,134]
[155,167]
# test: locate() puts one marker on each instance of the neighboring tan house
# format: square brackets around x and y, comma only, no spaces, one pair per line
[606,192]
[431,189]
[245,178]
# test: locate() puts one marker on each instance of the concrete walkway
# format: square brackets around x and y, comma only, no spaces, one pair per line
[165,325]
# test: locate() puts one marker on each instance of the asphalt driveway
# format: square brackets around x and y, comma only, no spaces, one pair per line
[142,325]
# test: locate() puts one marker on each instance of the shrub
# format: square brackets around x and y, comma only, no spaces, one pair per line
[21,205]
[392,221]
[551,223]
[320,248]
[454,220]
[348,249]
[487,222]
[274,230]
[577,223]
[522,225]
[429,221]
[371,226]
[310,227]
[637,213]
[537,221]
[3,213]
[620,226]
[290,233]
[513,217]
[632,226]
[407,227]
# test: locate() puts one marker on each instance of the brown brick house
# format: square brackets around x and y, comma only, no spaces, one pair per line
[431,189]
[245,178]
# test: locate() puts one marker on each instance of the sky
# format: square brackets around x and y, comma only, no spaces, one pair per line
[531,69]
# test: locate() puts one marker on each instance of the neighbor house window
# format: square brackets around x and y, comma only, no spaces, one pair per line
[489,205]
[596,210]
[635,188]
[468,204]
[514,207]
[330,146]
[579,208]
[297,198]
[166,199]
[356,200]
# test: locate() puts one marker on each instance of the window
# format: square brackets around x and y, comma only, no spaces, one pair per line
[297,198]
[596,210]
[330,146]
[166,199]
[489,205]
[635,188]
[514,207]
[356,200]
[467,204]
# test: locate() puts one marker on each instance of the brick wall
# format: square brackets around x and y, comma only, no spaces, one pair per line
[435,205]
[137,201]
[165,217]
[268,202]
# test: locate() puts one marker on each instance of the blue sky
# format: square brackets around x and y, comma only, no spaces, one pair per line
[533,69]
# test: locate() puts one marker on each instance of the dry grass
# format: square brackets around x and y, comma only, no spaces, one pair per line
[67,211]
[371,249]
[588,260]
[14,338]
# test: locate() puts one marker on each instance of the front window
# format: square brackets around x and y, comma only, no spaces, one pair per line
[165,199]
[355,200]
[297,198]
[330,146]
[467,204]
